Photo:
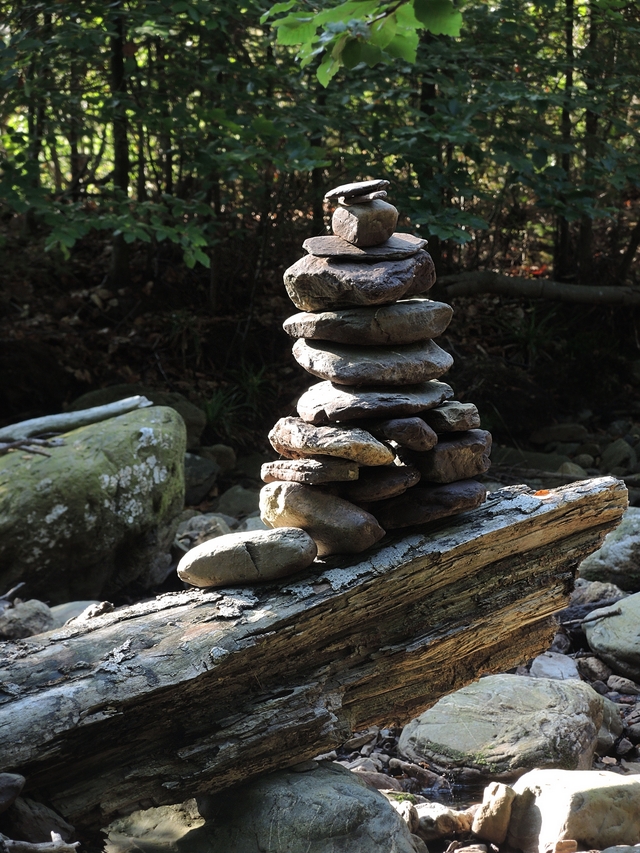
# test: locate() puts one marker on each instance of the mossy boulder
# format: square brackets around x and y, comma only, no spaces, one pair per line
[98,513]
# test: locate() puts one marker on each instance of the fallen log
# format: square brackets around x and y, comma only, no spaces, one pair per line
[488,281]
[199,690]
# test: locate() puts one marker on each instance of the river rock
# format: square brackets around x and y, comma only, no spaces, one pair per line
[398,246]
[424,504]
[326,403]
[198,529]
[356,188]
[293,438]
[596,808]
[452,416]
[412,433]
[31,821]
[325,810]
[405,322]
[618,560]
[10,786]
[157,830]
[200,475]
[238,501]
[505,724]
[247,557]
[365,224]
[560,432]
[351,365]
[336,525]
[456,457]
[491,821]
[26,618]
[313,471]
[98,513]
[554,665]
[619,454]
[376,484]
[317,284]
[613,633]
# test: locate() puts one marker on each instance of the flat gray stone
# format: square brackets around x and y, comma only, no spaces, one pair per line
[313,471]
[362,199]
[365,224]
[356,188]
[618,559]
[327,403]
[295,438]
[317,284]
[452,416]
[351,365]
[503,725]
[398,246]
[247,557]
[376,484]
[423,504]
[466,455]
[337,526]
[404,322]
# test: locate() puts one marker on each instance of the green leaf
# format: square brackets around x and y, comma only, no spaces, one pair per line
[327,69]
[438,16]
[276,9]
[404,45]
[299,34]
[383,31]
[352,53]
[371,54]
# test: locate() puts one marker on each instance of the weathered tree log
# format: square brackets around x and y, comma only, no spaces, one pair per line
[198,690]
[487,281]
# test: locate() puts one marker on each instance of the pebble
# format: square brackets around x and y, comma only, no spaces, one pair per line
[365,224]
[452,416]
[336,525]
[405,322]
[247,557]
[342,364]
[318,284]
[396,247]
[293,438]
[325,402]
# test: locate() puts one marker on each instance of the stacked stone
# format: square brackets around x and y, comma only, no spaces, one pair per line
[379,444]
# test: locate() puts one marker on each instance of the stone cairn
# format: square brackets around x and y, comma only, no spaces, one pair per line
[379,444]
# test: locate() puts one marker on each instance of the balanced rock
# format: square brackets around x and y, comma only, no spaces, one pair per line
[352,365]
[376,484]
[596,808]
[398,246]
[257,555]
[404,322]
[452,416]
[314,470]
[456,458]
[502,725]
[326,403]
[362,199]
[365,224]
[316,284]
[425,504]
[412,433]
[336,525]
[293,437]
[356,188]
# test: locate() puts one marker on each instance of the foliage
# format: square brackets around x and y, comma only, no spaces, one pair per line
[199,125]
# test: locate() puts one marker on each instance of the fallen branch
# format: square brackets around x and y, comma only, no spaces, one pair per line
[67,421]
[487,281]
[56,845]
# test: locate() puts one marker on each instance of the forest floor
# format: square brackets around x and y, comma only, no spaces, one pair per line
[64,331]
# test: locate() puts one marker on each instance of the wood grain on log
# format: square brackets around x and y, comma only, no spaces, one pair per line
[198,690]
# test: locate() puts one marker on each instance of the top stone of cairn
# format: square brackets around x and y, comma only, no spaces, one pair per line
[352,191]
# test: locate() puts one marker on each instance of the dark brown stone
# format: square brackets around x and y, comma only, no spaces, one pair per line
[422,504]
[412,433]
[314,471]
[398,246]
[455,457]
[452,416]
[376,484]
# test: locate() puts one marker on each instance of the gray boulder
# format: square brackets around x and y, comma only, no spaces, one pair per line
[618,560]
[97,513]
[504,725]
[613,633]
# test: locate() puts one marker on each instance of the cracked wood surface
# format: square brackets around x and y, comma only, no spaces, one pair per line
[199,690]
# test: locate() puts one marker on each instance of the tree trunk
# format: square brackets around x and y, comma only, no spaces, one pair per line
[585,239]
[561,255]
[198,690]
[119,273]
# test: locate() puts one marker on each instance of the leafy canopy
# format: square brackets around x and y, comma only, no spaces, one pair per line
[359,31]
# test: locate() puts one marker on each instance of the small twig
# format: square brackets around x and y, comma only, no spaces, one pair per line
[9,596]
